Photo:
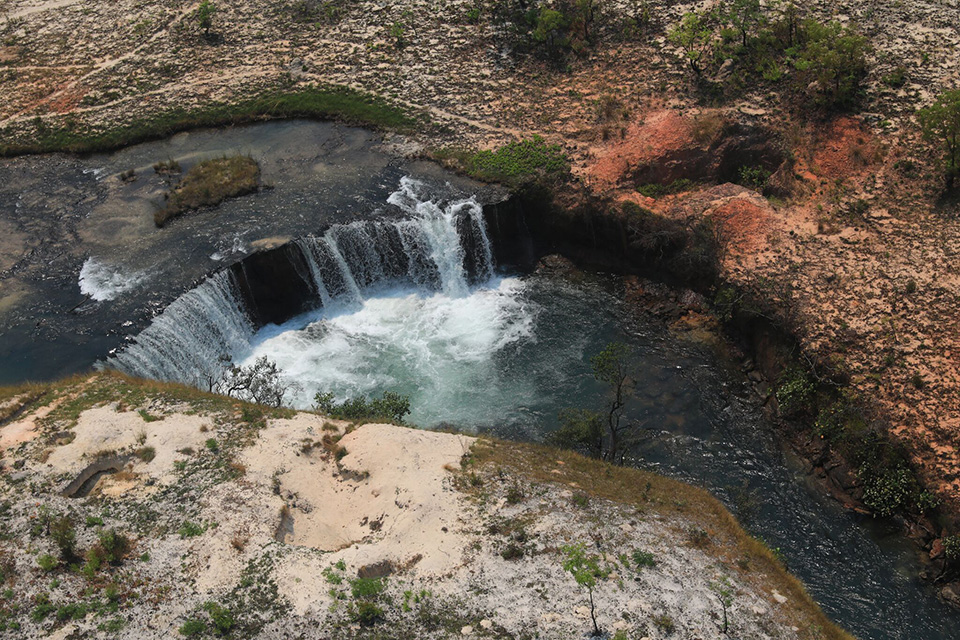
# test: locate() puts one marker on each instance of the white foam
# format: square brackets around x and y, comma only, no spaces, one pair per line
[431,346]
[104,282]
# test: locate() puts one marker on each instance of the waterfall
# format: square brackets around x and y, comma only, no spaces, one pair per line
[186,342]
[439,246]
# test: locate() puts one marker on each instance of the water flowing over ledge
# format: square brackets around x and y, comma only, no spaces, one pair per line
[441,247]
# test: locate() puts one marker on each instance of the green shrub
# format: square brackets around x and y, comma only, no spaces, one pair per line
[581,430]
[72,611]
[64,535]
[941,123]
[795,392]
[191,529]
[836,58]
[114,545]
[47,562]
[42,608]
[367,587]
[512,551]
[951,547]
[193,627]
[888,491]
[390,407]
[643,559]
[521,162]
[364,613]
[755,178]
[222,618]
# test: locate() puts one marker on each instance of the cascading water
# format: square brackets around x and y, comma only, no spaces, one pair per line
[187,340]
[441,247]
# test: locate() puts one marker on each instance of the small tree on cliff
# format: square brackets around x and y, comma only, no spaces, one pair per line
[585,569]
[745,16]
[205,13]
[941,123]
[694,35]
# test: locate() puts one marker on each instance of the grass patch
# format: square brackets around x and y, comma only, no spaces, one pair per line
[323,102]
[514,164]
[209,183]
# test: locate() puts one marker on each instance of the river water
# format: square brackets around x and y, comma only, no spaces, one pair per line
[414,303]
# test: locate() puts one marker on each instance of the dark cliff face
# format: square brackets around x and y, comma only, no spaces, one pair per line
[274,284]
[623,238]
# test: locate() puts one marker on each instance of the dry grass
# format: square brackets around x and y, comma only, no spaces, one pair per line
[209,183]
[648,492]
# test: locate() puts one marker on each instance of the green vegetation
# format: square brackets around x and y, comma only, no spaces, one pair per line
[365,607]
[193,627]
[941,124]
[695,36]
[889,483]
[657,190]
[515,164]
[110,549]
[221,617]
[322,102]
[770,45]
[795,391]
[553,31]
[585,569]
[64,535]
[642,559]
[208,183]
[390,407]
[47,562]
[608,435]
[191,529]
[204,16]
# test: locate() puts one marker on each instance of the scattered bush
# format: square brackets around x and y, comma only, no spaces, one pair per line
[888,491]
[665,623]
[755,178]
[585,569]
[146,454]
[47,562]
[795,393]
[261,382]
[698,537]
[365,613]
[221,617]
[941,123]
[367,587]
[64,535]
[390,407]
[643,559]
[512,551]
[580,430]
[951,547]
[204,16]
[193,627]
[191,529]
